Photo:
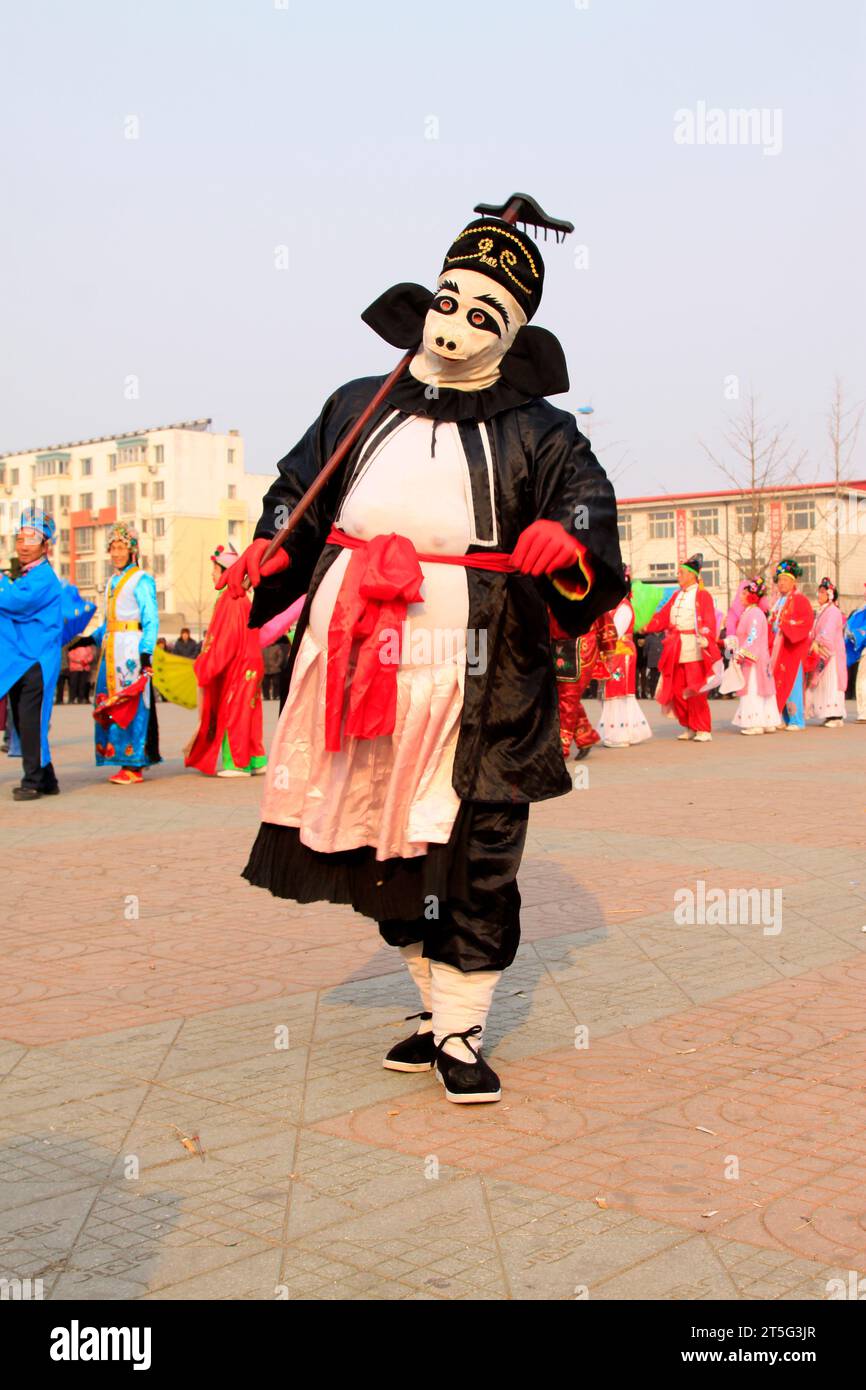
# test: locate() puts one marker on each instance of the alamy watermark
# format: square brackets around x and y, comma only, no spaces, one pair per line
[745,907]
[757,125]
[426,646]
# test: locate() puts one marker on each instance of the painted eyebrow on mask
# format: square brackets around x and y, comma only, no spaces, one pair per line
[494,303]
[448,285]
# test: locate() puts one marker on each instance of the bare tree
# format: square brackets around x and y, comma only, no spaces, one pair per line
[843,428]
[760,457]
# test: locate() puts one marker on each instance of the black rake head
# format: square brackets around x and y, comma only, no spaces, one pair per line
[525,212]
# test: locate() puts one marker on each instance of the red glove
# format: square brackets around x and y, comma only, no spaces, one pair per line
[249,567]
[545,547]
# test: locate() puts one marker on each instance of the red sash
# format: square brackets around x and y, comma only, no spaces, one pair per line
[382,578]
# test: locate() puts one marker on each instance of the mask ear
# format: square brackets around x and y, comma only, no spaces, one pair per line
[535,363]
[398,315]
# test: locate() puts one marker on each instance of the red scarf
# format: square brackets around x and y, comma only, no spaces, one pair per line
[382,578]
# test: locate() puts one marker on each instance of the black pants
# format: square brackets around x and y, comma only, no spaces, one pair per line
[271,686]
[79,687]
[478,926]
[25,698]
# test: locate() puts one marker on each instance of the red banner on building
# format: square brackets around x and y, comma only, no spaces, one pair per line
[681,535]
[775,532]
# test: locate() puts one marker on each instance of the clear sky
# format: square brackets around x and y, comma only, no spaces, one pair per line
[304,125]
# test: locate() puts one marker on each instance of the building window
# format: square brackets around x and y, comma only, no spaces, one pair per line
[809,566]
[159,526]
[705,521]
[46,468]
[159,492]
[84,572]
[13,477]
[159,453]
[159,564]
[233,492]
[112,462]
[112,497]
[663,573]
[64,539]
[800,515]
[132,453]
[160,600]
[64,571]
[750,517]
[144,524]
[84,538]
[623,523]
[47,503]
[661,526]
[86,468]
[85,501]
[107,571]
[127,497]
[711,573]
[231,455]
[65,500]
[234,530]
[143,487]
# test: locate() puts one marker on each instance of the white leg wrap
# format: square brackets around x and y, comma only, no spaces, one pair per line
[419,968]
[460,1000]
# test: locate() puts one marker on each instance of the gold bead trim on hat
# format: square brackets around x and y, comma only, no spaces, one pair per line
[506,259]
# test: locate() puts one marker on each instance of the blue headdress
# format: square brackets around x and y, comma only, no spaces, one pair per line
[34,519]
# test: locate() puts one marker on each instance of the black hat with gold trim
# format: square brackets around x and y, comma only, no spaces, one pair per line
[498,250]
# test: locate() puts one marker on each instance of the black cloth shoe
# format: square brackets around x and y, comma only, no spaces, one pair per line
[466,1083]
[417,1053]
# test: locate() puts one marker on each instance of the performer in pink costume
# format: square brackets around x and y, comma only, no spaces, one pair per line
[828,677]
[749,672]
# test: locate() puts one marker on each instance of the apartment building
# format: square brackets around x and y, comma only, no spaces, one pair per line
[183,486]
[745,532]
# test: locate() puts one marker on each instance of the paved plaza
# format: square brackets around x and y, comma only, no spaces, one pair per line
[192,1102]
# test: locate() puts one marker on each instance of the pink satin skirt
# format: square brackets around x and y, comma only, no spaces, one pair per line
[393,793]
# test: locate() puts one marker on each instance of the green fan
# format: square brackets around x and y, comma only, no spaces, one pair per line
[174,678]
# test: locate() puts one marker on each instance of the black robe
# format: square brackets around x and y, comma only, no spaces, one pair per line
[508,749]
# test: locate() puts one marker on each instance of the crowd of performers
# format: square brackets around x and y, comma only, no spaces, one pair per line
[40,614]
[467,505]
[786,662]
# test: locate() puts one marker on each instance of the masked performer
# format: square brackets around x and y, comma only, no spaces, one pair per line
[622,720]
[229,671]
[690,661]
[577,661]
[827,662]
[127,740]
[422,719]
[31,631]
[749,672]
[791,619]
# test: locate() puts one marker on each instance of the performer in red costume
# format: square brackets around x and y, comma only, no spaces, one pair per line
[791,619]
[229,672]
[622,720]
[690,661]
[577,662]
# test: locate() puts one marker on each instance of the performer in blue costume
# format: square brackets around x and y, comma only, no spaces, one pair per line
[127,638]
[855,651]
[31,628]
